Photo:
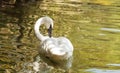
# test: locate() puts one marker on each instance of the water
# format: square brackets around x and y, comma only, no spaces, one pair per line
[92,26]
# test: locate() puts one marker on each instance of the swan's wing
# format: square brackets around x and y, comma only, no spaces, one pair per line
[68,48]
[66,42]
[57,46]
[47,46]
[58,51]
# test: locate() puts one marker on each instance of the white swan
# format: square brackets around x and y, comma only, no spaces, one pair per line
[54,51]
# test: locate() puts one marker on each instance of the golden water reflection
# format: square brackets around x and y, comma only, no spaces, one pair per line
[82,21]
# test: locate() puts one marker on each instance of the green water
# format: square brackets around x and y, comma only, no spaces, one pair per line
[80,21]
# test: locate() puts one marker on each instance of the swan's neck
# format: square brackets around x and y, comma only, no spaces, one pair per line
[36,28]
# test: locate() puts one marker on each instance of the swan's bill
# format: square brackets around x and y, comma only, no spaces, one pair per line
[50,31]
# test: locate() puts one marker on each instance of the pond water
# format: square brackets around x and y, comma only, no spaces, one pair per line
[93,26]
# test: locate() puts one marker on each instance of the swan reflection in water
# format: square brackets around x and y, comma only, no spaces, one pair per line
[55,51]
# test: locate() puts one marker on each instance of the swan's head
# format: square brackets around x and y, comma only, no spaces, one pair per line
[48,22]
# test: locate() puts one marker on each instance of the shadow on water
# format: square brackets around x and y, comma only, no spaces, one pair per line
[12,32]
[92,26]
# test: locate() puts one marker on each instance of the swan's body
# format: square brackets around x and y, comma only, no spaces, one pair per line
[54,51]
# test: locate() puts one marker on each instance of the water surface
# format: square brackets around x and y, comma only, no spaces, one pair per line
[92,26]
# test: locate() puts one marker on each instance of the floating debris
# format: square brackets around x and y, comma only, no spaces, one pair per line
[113,65]
[95,70]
